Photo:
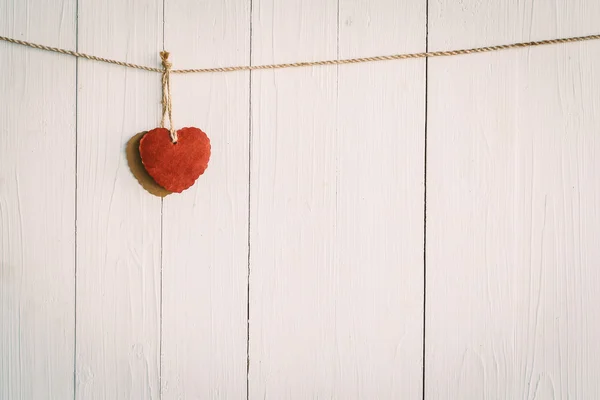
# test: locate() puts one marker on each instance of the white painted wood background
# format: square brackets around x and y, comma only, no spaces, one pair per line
[399,230]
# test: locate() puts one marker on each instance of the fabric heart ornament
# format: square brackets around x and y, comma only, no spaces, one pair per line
[175,166]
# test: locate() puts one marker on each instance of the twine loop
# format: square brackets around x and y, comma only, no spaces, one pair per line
[167,107]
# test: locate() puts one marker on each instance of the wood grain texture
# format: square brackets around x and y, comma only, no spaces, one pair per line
[292,221]
[294,269]
[118,222]
[379,202]
[205,236]
[336,203]
[37,202]
[513,194]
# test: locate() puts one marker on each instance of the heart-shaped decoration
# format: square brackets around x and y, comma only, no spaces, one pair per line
[175,166]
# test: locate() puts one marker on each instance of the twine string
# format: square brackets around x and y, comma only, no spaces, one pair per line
[167,105]
[78,54]
[405,56]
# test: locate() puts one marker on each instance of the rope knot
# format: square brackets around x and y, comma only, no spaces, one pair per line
[166,98]
[164,56]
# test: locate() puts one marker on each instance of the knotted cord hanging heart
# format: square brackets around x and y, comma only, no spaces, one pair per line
[174,159]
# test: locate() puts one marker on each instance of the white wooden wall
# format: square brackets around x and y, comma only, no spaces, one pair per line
[400,230]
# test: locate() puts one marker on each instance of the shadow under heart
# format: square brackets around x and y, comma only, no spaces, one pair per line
[134,160]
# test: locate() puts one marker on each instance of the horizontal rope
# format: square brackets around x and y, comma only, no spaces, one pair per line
[77,54]
[405,56]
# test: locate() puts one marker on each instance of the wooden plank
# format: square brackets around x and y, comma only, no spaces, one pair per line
[292,219]
[118,223]
[205,237]
[380,193]
[37,203]
[513,191]
[336,284]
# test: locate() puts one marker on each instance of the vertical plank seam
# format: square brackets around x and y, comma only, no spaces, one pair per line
[75,203]
[337,124]
[337,161]
[160,300]
[249,206]
[425,198]
[160,295]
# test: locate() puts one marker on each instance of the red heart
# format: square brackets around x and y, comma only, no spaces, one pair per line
[175,166]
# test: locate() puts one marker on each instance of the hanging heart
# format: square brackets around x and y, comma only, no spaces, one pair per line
[175,165]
